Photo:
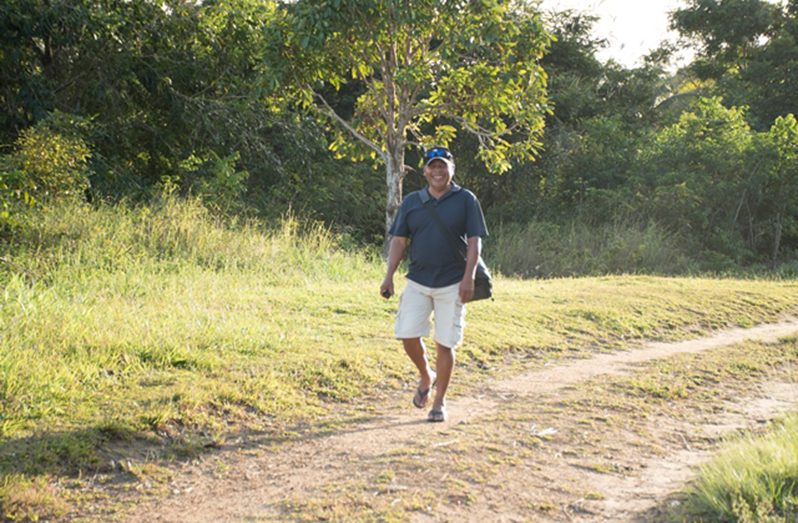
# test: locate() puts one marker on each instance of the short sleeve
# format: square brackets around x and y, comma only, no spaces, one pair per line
[475,220]
[399,226]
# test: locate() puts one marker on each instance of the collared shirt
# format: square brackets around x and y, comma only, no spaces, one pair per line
[432,260]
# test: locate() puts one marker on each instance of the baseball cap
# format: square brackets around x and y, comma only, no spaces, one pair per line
[438,153]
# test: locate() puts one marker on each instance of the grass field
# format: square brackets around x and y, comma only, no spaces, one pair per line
[167,325]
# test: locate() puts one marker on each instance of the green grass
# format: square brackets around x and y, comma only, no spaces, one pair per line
[549,249]
[754,478]
[26,499]
[164,325]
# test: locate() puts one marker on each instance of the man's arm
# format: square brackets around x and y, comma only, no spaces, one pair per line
[396,252]
[472,257]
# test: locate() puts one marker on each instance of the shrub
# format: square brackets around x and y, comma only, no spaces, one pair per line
[49,162]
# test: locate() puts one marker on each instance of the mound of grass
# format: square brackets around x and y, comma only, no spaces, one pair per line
[143,316]
[754,478]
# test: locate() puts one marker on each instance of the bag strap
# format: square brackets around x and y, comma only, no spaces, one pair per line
[426,201]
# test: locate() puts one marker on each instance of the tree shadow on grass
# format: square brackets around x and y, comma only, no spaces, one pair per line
[69,452]
[109,449]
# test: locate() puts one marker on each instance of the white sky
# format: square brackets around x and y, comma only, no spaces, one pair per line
[632,27]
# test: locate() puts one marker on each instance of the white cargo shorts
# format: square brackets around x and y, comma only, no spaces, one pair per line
[416,305]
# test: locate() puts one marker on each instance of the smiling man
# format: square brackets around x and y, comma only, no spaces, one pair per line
[438,281]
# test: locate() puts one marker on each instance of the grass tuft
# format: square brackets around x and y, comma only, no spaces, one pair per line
[753,479]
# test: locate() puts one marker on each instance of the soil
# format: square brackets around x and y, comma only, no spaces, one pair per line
[539,446]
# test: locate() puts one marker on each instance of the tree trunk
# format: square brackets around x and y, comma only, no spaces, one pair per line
[776,240]
[394,175]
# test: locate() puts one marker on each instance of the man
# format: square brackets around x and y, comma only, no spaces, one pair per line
[438,279]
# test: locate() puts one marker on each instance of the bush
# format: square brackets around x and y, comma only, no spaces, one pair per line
[49,162]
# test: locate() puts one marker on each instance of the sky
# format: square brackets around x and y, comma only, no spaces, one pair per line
[632,27]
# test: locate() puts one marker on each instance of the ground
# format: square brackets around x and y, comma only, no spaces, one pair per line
[612,437]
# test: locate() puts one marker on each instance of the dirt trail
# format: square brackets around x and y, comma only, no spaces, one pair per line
[640,494]
[255,485]
[634,495]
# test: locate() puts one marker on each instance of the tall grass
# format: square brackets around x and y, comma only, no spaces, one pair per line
[155,310]
[168,236]
[540,249]
[754,479]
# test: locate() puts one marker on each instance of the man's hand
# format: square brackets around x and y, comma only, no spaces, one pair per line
[466,289]
[395,253]
[386,289]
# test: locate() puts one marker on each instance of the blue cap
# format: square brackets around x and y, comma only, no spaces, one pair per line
[438,153]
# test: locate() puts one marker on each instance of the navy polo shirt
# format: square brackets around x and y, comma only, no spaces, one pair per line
[432,261]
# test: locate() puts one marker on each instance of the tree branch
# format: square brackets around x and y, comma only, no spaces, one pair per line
[331,112]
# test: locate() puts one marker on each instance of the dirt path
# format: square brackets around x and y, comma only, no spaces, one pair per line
[254,484]
[638,490]
[632,497]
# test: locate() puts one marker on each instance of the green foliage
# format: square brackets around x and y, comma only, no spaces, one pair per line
[54,160]
[749,48]
[753,479]
[137,99]
[602,114]
[162,82]
[725,187]
[343,194]
[726,29]
[50,161]
[218,183]
[427,70]
[693,175]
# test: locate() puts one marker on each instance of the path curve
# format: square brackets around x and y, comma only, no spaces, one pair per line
[259,483]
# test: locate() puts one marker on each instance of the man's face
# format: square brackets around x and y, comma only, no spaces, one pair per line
[438,175]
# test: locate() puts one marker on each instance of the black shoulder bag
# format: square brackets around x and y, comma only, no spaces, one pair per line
[483,286]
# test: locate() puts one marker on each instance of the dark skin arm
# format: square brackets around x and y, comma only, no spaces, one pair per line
[396,251]
[466,289]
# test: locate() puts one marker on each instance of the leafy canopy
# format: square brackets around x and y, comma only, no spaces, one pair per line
[426,69]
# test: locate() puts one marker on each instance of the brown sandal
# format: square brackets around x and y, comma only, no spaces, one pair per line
[437,415]
[421,396]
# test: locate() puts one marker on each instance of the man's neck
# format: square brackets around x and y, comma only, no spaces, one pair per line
[439,194]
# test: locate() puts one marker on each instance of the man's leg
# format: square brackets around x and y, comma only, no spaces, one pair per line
[443,365]
[414,348]
[412,322]
[449,324]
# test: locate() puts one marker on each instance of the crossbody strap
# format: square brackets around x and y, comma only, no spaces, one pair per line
[426,201]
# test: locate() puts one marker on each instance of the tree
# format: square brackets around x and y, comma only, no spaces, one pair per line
[726,30]
[693,177]
[165,84]
[747,53]
[601,113]
[427,69]
[779,203]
